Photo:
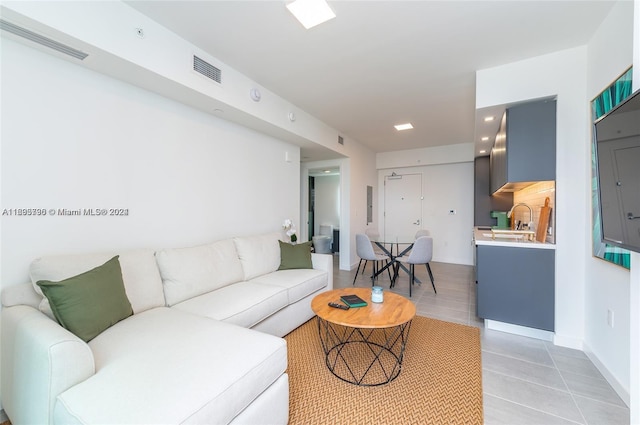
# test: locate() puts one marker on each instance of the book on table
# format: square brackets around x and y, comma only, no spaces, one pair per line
[353,301]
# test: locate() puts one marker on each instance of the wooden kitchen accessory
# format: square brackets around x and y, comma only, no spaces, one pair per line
[543,221]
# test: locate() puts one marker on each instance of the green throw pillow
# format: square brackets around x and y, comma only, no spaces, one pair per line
[295,256]
[91,302]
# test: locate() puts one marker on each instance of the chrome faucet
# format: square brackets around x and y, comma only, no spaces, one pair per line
[530,224]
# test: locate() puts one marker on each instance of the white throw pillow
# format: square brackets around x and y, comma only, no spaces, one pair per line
[258,254]
[193,271]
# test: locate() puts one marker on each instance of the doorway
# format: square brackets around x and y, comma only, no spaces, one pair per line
[402,207]
[324,205]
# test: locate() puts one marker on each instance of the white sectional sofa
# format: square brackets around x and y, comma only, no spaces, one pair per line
[203,344]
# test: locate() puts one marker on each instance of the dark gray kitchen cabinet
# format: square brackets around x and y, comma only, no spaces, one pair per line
[525,146]
[516,285]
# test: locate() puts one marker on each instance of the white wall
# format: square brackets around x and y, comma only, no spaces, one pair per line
[161,62]
[73,138]
[462,152]
[445,187]
[610,53]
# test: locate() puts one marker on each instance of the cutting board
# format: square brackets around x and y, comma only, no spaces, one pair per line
[543,221]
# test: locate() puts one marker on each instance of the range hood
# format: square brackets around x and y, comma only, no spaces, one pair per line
[514,186]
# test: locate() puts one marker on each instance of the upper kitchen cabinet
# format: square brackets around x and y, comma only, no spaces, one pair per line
[525,147]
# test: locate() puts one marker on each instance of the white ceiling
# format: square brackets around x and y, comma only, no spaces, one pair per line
[380,63]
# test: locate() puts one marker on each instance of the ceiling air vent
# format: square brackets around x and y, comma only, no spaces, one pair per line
[341,140]
[42,40]
[207,69]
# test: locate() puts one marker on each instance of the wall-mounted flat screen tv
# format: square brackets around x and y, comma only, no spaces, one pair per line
[618,157]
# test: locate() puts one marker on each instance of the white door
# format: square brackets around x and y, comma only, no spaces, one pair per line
[402,207]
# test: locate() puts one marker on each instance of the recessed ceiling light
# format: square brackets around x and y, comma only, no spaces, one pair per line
[311,12]
[327,171]
[485,138]
[401,127]
[488,119]
[483,151]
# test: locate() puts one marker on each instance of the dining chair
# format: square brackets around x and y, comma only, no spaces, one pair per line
[373,235]
[421,253]
[364,249]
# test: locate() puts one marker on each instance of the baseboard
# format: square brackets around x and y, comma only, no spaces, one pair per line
[518,330]
[568,342]
[615,384]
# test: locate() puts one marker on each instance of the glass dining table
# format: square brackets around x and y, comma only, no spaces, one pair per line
[401,248]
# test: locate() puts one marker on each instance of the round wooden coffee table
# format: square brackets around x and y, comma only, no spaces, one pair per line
[364,345]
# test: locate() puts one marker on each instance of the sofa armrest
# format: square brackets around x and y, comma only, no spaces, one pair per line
[22,294]
[40,360]
[324,262]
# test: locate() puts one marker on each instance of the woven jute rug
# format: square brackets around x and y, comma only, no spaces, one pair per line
[440,381]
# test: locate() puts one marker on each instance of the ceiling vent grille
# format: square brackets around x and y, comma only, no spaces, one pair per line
[207,69]
[42,40]
[341,140]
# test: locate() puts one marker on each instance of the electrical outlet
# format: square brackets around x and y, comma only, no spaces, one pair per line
[610,317]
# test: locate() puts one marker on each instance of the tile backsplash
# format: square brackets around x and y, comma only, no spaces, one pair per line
[534,196]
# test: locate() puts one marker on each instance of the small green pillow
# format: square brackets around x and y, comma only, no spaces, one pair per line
[91,302]
[295,256]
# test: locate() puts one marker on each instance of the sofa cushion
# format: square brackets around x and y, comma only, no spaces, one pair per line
[243,303]
[168,366]
[90,302]
[189,272]
[140,275]
[258,254]
[298,282]
[295,256]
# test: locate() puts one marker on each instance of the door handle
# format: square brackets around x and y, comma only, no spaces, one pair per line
[630,216]
[417,222]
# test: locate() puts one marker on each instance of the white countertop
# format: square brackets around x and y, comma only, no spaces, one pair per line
[483,237]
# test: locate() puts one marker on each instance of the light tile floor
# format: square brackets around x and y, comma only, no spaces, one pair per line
[525,380]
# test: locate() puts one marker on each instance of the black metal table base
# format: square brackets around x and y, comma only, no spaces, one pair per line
[363,356]
[395,265]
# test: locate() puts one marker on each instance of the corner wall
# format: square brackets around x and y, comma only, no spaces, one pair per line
[75,139]
[607,286]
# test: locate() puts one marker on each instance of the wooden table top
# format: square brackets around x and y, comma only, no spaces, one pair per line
[394,311]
